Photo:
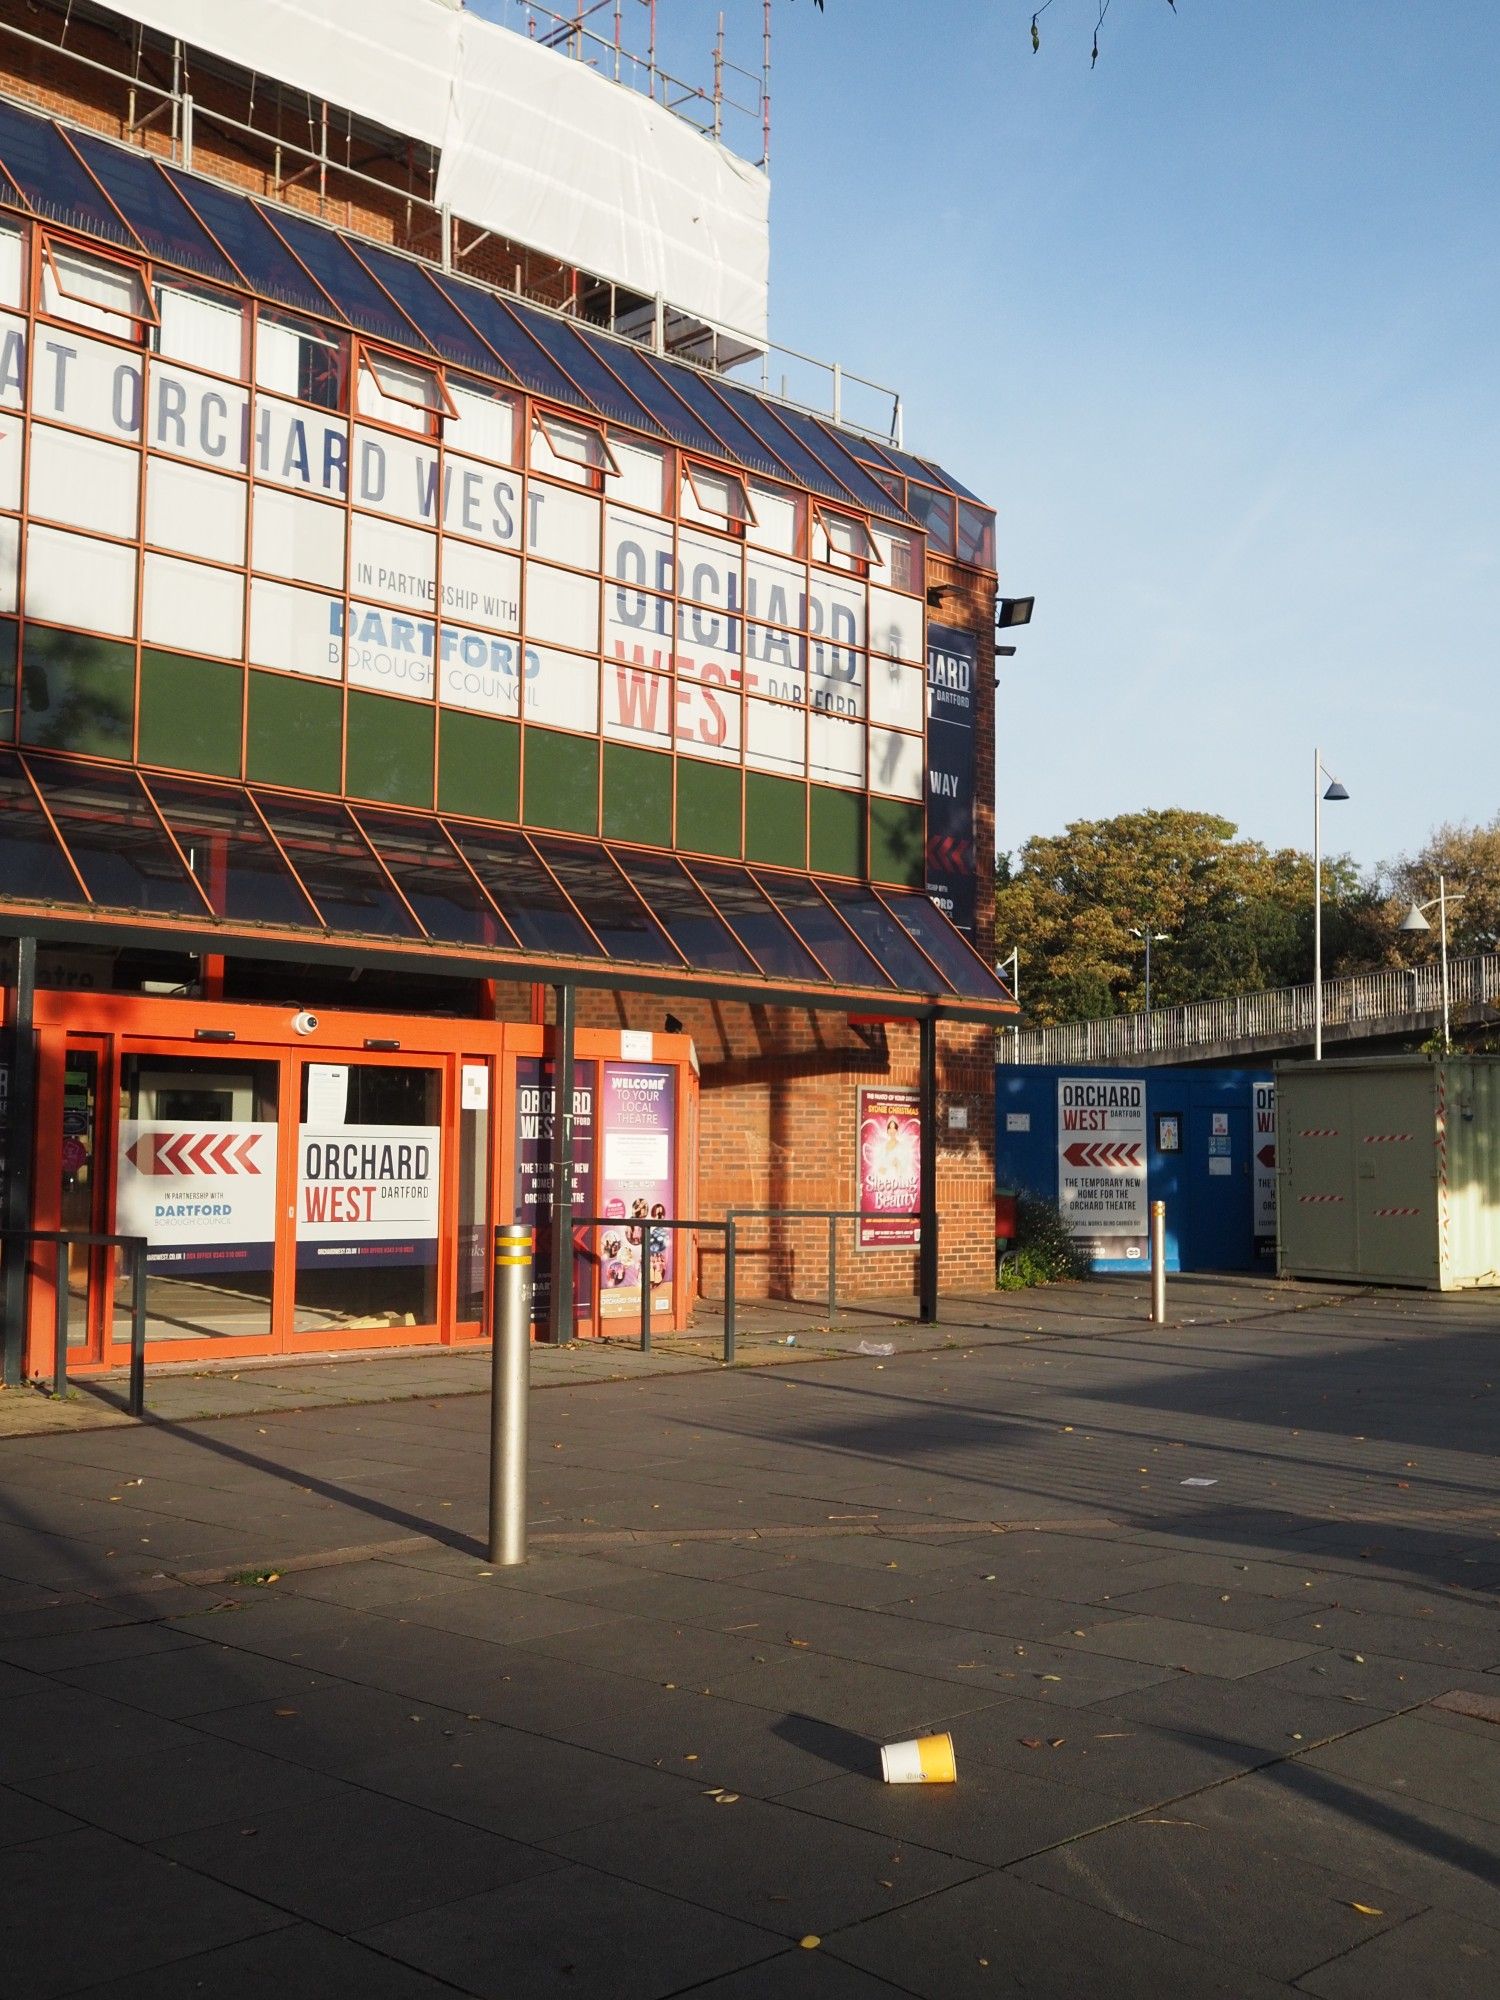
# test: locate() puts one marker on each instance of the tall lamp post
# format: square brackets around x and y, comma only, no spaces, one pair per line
[1414,920]
[1149,937]
[1335,791]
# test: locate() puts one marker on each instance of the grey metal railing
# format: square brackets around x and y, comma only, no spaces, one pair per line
[135,1249]
[1366,999]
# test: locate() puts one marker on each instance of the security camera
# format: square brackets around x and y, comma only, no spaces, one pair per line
[305,1023]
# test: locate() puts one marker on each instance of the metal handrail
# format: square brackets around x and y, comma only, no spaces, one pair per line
[833,1217]
[647,1223]
[136,1246]
[1392,995]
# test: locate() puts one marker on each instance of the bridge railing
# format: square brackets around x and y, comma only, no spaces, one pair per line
[1281,1013]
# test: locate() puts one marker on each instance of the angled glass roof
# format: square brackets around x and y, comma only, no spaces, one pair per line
[269,267]
[154,209]
[214,865]
[291,259]
[345,279]
[46,170]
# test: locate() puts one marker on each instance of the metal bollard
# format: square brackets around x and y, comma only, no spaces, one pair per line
[1158,1263]
[510,1384]
[138,1330]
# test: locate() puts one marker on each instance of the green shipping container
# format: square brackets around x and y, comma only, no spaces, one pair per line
[1388,1170]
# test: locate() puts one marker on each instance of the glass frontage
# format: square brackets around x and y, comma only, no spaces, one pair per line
[369,1159]
[196,1160]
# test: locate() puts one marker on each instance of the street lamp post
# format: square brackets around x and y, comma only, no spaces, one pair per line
[1415,921]
[1335,791]
[1149,937]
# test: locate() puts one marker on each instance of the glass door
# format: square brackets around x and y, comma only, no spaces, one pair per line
[367,1209]
[79,1204]
[196,1158]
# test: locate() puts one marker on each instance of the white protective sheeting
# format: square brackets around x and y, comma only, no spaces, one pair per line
[552,155]
[533,145]
[390,60]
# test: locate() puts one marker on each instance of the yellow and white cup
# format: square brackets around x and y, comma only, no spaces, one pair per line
[923,1760]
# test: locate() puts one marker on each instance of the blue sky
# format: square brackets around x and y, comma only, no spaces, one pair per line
[1214,327]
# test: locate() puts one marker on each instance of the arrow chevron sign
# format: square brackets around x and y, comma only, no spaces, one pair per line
[1117,1155]
[186,1154]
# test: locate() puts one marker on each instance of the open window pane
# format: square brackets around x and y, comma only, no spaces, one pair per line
[962,967]
[399,392]
[684,912]
[531,902]
[46,170]
[154,209]
[326,849]
[822,930]
[345,280]
[757,923]
[116,840]
[231,854]
[32,865]
[252,244]
[445,896]
[617,917]
[94,291]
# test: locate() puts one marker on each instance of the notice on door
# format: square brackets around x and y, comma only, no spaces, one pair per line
[890,1169]
[203,1196]
[367,1194]
[1101,1163]
[1263,1146]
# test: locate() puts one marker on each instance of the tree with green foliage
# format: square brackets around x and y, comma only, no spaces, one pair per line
[1468,859]
[1238,916]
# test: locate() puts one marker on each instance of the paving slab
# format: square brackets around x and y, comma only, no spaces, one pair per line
[576,1934]
[1436,1956]
[1419,1759]
[1212,1886]
[298,1962]
[1001,1935]
[350,1860]
[148,1797]
[767,1864]
[126,1911]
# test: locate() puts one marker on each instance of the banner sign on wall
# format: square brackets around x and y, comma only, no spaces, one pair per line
[637,1186]
[536,1108]
[367,1194]
[890,1168]
[203,1196]
[1263,1147]
[952,674]
[1101,1163]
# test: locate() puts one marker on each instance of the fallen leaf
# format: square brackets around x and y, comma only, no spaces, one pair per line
[1056,1742]
[727,1798]
[1049,1677]
[1030,1742]
[809,1943]
[1367,1909]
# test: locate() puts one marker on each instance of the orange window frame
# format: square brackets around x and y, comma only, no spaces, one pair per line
[53,243]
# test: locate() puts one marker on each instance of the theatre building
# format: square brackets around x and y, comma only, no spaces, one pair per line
[451,671]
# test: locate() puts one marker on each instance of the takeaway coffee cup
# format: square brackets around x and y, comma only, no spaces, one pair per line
[923,1760]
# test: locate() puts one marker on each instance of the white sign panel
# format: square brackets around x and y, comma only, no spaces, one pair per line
[1101,1162]
[203,1196]
[367,1193]
[1263,1151]
[327,1093]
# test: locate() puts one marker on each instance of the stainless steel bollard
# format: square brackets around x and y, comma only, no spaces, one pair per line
[1158,1263]
[510,1385]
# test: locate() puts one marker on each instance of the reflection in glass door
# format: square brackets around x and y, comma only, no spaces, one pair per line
[369,1150]
[196,1176]
[78,1191]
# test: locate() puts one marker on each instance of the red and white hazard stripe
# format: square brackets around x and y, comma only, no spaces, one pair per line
[1387,1138]
[1319,1132]
[1398,1211]
[1319,1197]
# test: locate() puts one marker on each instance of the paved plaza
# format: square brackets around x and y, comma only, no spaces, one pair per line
[1209,1611]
